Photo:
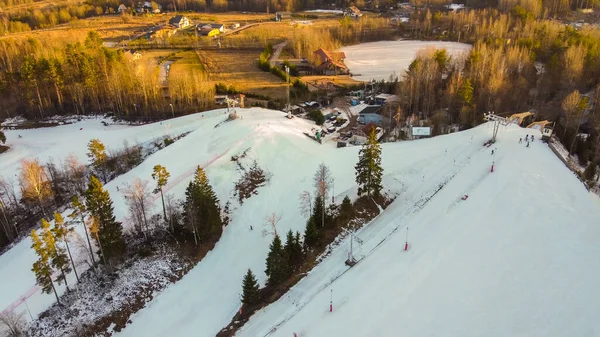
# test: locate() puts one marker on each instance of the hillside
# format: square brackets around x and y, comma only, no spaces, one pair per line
[486,257]
[517,258]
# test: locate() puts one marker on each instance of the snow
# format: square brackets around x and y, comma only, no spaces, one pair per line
[58,142]
[380,60]
[518,258]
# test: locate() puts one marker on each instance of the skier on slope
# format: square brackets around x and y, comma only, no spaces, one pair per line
[520,140]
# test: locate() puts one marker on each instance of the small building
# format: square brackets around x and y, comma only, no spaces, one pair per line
[122,9]
[164,32]
[330,63]
[521,119]
[234,25]
[210,29]
[135,55]
[179,21]
[372,114]
[280,16]
[352,12]
[382,99]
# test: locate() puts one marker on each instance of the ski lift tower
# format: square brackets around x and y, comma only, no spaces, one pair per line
[492,117]
[288,107]
[231,104]
[351,261]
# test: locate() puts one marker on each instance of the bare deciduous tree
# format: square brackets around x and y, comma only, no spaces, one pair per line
[137,198]
[323,182]
[569,104]
[273,220]
[35,183]
[14,323]
[306,203]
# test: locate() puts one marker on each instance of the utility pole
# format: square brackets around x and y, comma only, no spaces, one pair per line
[287,72]
[331,301]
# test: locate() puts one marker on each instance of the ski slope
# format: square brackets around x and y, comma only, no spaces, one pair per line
[527,189]
[519,257]
[380,60]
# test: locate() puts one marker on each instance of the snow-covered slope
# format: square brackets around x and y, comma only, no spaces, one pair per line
[442,229]
[380,60]
[519,257]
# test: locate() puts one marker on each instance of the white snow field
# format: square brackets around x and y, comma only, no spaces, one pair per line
[58,143]
[517,257]
[380,60]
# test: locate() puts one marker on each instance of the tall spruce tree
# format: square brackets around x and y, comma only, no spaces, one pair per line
[368,169]
[311,234]
[110,231]
[202,210]
[277,268]
[58,258]
[250,292]
[42,267]
[319,212]
[61,232]
[293,251]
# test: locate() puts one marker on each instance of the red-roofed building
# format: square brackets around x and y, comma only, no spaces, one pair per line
[330,63]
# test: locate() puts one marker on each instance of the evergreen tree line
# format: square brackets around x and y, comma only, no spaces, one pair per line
[287,259]
[51,185]
[87,78]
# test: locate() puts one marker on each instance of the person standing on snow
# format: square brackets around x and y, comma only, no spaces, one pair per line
[527,144]
[520,140]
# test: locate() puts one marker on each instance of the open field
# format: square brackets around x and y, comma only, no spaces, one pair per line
[238,68]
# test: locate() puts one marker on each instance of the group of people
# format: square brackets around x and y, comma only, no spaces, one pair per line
[527,139]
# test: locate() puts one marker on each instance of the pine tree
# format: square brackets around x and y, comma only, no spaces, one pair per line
[276,263]
[61,231]
[109,232]
[41,267]
[2,137]
[346,211]
[161,175]
[58,258]
[250,288]
[319,212]
[311,234]
[368,169]
[203,212]
[293,251]
[79,211]
[97,154]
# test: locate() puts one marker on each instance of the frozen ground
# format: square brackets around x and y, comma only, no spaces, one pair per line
[380,60]
[519,253]
[517,258]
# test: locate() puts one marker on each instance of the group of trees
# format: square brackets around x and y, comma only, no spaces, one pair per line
[86,77]
[283,260]
[46,187]
[516,63]
[52,246]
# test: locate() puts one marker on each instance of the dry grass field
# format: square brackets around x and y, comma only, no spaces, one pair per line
[238,68]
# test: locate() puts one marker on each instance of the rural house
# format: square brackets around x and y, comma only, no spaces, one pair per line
[122,9]
[179,21]
[330,63]
[210,29]
[352,12]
